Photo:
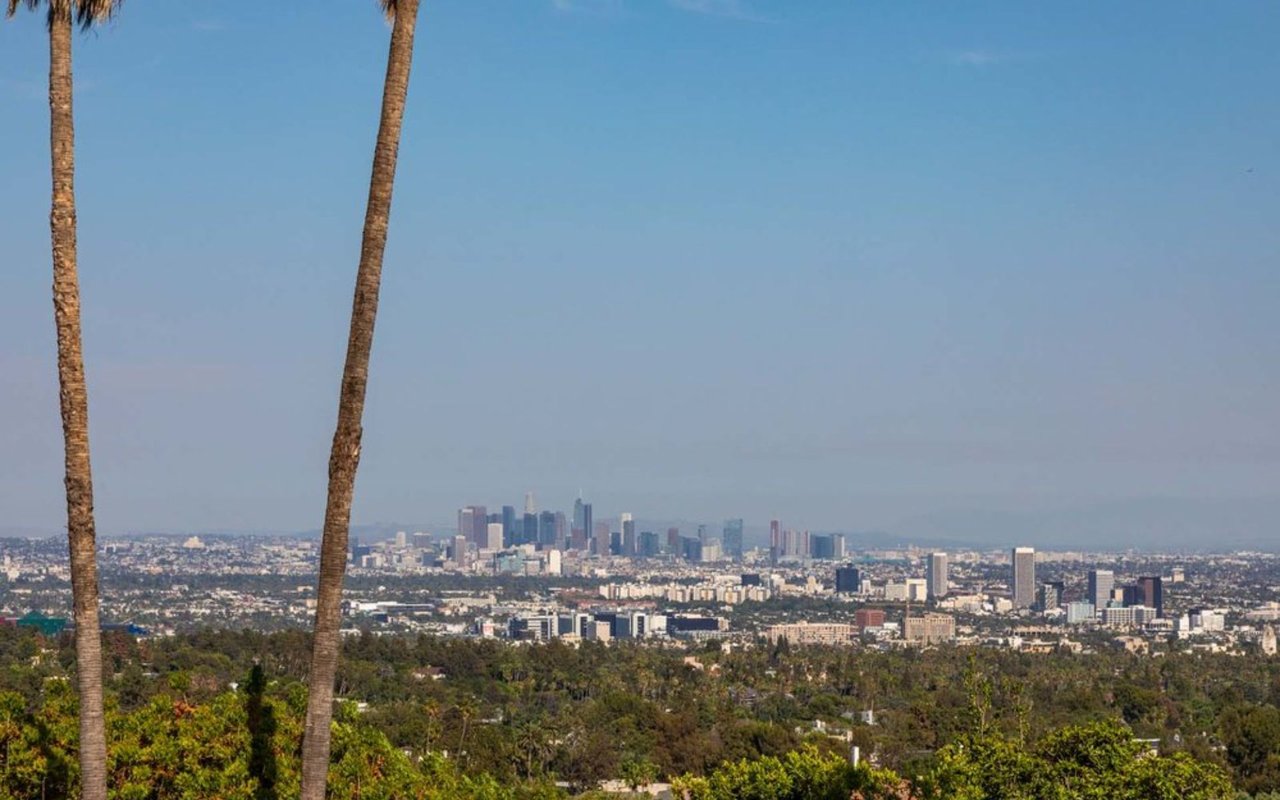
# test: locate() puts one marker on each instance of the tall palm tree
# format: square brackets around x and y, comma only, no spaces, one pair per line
[73,396]
[344,457]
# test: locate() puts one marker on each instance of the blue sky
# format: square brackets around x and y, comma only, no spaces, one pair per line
[853,264]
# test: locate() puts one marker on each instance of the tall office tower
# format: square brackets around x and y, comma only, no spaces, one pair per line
[508,526]
[732,539]
[702,533]
[648,544]
[459,550]
[775,540]
[479,525]
[600,538]
[630,545]
[494,538]
[547,529]
[529,507]
[579,529]
[1024,577]
[937,575]
[827,546]
[562,529]
[673,541]
[529,530]
[788,543]
[823,546]
[467,522]
[1101,582]
[848,580]
[615,543]
[1153,593]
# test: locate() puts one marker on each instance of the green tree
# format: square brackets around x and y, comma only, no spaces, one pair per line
[1099,761]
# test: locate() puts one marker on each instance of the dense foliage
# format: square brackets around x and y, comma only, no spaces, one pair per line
[191,717]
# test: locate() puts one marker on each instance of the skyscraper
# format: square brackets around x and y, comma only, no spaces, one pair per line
[937,575]
[827,546]
[1024,577]
[848,580]
[578,530]
[494,537]
[1153,593]
[508,525]
[1101,582]
[732,540]
[775,540]
[630,545]
[473,524]
[547,529]
[529,506]
[648,544]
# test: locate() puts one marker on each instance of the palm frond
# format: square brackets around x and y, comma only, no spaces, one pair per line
[90,12]
[13,6]
[86,13]
[388,7]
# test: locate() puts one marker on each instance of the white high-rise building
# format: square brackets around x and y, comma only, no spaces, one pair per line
[529,506]
[1024,577]
[402,538]
[493,539]
[937,575]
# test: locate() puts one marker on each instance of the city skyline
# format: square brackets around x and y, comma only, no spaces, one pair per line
[774,376]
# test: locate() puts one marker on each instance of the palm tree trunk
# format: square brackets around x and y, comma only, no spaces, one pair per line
[344,458]
[75,411]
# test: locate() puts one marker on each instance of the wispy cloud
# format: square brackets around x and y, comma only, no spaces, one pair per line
[976,58]
[600,7]
[730,9]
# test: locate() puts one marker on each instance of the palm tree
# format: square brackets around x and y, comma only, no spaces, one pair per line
[344,457]
[72,394]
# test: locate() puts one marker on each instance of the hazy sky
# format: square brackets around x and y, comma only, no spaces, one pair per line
[853,264]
